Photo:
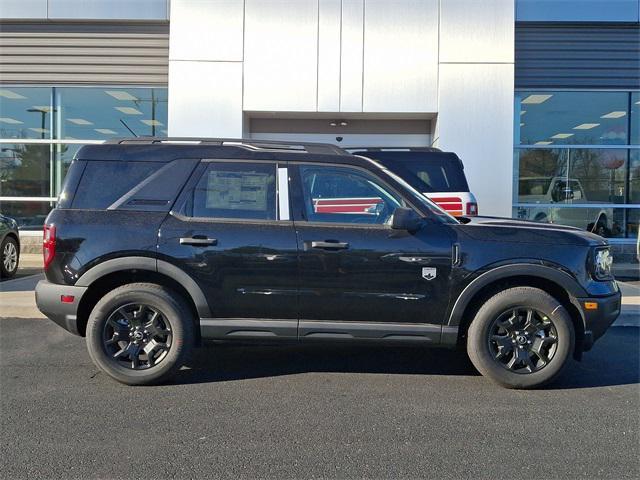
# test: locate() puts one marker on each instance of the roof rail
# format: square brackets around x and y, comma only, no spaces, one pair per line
[307,147]
[393,149]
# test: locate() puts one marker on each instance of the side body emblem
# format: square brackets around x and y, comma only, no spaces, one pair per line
[429,273]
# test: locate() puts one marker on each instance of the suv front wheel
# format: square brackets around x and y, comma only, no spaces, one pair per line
[140,333]
[521,337]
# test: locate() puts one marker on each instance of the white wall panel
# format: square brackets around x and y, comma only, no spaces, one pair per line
[329,14]
[352,56]
[206,30]
[205,99]
[352,139]
[36,9]
[477,31]
[476,122]
[281,55]
[109,9]
[401,56]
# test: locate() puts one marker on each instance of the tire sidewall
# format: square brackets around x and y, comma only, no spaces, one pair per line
[478,344]
[173,312]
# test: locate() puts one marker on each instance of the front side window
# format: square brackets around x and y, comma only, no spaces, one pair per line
[346,195]
[236,191]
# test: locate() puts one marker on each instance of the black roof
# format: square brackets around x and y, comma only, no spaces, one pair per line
[168,149]
[389,156]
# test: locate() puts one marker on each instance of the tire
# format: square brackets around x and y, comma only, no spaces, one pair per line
[10,253]
[500,354]
[164,329]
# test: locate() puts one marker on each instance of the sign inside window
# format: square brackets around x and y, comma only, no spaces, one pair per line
[238,190]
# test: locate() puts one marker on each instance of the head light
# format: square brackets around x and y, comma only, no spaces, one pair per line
[602,263]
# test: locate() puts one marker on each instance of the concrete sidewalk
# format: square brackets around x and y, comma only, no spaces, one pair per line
[17,299]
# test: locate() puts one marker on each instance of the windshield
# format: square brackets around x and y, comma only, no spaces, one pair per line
[418,197]
[425,171]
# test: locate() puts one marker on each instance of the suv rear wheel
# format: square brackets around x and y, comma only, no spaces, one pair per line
[521,338]
[140,333]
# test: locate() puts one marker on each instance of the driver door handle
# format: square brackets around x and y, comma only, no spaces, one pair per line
[328,245]
[198,241]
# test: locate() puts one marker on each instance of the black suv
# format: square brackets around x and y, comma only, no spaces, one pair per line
[159,244]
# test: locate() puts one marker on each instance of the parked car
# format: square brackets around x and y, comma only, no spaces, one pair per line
[223,240]
[9,246]
[438,175]
[556,195]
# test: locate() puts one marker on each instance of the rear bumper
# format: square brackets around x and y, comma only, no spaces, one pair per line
[598,320]
[49,302]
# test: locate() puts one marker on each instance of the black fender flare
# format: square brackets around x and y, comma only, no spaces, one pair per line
[153,265]
[566,281]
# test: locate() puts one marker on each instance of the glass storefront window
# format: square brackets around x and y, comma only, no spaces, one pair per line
[25,170]
[605,221]
[574,118]
[569,177]
[634,177]
[25,112]
[101,113]
[29,215]
[575,176]
[635,118]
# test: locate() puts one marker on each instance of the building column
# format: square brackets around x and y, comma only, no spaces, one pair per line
[475,96]
[206,68]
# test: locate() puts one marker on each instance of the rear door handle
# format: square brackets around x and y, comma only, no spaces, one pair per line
[198,241]
[328,245]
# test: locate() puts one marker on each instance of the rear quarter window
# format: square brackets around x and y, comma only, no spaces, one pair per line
[104,182]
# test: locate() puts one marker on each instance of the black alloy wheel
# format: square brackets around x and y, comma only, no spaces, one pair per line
[137,336]
[523,340]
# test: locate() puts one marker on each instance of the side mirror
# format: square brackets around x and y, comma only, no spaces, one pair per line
[405,219]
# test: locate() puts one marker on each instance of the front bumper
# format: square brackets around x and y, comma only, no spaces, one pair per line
[597,320]
[49,301]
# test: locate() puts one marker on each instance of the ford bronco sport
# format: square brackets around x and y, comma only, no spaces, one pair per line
[156,245]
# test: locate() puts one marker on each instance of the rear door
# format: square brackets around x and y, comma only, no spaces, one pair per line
[231,232]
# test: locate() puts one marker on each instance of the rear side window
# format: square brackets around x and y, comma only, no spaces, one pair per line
[426,173]
[236,191]
[104,182]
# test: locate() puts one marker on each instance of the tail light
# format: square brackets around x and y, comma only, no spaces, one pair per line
[472,208]
[48,244]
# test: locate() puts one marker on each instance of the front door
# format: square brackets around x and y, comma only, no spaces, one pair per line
[356,273]
[230,235]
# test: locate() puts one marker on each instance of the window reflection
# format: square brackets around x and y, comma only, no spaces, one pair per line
[635,118]
[634,177]
[25,170]
[575,176]
[82,113]
[29,215]
[25,112]
[577,118]
[605,221]
[574,186]
[99,113]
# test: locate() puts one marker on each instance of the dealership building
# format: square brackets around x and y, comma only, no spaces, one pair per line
[538,97]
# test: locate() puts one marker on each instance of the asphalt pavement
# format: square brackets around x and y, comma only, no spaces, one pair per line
[312,412]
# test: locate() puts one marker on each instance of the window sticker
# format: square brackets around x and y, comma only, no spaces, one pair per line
[237,190]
